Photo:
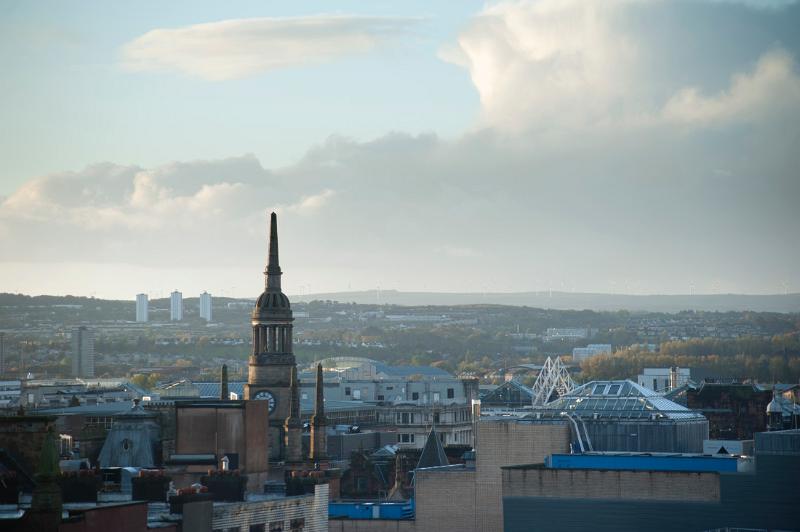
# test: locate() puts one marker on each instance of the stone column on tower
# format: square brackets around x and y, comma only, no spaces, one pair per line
[319,438]
[224,394]
[293,427]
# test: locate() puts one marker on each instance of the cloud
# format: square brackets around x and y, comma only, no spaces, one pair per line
[604,158]
[310,204]
[536,62]
[239,48]
[759,4]
[405,211]
[773,87]
[557,66]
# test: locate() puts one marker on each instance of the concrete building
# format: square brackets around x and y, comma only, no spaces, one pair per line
[567,333]
[176,306]
[579,354]
[205,306]
[10,394]
[663,379]
[633,492]
[141,308]
[82,352]
[454,424]
[362,379]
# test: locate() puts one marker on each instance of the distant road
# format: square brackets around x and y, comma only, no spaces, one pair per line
[789,303]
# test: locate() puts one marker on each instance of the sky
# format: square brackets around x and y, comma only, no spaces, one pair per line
[623,146]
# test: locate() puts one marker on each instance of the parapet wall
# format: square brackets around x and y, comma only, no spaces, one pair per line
[609,484]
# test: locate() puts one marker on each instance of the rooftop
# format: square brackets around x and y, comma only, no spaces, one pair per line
[620,399]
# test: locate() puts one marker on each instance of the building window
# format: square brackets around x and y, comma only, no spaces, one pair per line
[435,397]
[276,526]
[257,528]
[296,525]
[599,389]
[451,393]
[390,387]
[397,418]
[356,394]
[436,417]
[347,390]
[415,396]
[655,385]
[380,398]
[405,418]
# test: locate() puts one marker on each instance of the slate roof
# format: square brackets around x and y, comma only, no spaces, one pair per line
[407,371]
[433,454]
[131,441]
[510,392]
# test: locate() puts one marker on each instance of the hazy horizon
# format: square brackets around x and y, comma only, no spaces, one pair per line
[471,147]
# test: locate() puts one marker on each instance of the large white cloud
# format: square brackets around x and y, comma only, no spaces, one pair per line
[560,65]
[238,48]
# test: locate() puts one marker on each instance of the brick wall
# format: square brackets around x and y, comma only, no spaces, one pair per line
[505,443]
[445,500]
[24,437]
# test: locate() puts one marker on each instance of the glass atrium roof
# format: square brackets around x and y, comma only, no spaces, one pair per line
[618,400]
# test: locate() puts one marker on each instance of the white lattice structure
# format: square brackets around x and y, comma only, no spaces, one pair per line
[554,377]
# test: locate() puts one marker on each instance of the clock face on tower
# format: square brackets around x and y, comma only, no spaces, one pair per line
[266,396]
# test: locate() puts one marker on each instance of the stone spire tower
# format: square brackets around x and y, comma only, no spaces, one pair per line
[319,439]
[272,361]
[293,427]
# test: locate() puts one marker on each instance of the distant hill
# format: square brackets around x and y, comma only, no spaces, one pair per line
[788,303]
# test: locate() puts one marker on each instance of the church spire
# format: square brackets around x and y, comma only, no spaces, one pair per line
[273,272]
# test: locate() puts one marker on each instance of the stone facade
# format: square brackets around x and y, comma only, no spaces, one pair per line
[308,513]
[224,427]
[24,437]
